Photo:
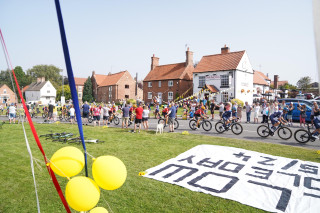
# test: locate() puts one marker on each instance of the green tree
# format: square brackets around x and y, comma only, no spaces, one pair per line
[50,72]
[304,83]
[288,87]
[87,91]
[67,93]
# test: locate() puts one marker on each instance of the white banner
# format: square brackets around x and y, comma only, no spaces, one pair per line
[268,182]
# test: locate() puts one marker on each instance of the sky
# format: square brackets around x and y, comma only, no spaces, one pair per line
[112,36]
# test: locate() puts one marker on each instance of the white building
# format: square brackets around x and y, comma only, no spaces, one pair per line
[41,91]
[230,74]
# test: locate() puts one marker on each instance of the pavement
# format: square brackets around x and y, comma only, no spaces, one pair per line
[249,132]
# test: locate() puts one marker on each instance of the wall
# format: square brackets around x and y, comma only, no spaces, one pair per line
[11,98]
[32,96]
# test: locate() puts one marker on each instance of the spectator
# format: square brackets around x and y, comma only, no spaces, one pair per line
[125,115]
[221,109]
[145,116]
[289,114]
[12,113]
[138,120]
[256,112]
[239,112]
[85,112]
[312,113]
[265,113]
[156,111]
[72,114]
[50,113]
[105,114]
[172,116]
[96,115]
[303,114]
[315,133]
[248,112]
[212,108]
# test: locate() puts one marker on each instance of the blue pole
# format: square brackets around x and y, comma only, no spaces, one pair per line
[72,83]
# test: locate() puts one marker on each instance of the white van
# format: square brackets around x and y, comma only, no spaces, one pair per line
[300,96]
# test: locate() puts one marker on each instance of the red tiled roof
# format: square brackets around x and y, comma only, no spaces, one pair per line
[280,83]
[170,71]
[107,80]
[212,88]
[259,79]
[219,62]
[263,75]
[80,81]
[25,88]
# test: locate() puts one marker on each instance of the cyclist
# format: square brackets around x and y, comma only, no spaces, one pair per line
[316,122]
[278,117]
[199,114]
[226,116]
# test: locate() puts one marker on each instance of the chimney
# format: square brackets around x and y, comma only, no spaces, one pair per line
[93,73]
[39,80]
[189,58]
[43,79]
[275,82]
[154,62]
[225,49]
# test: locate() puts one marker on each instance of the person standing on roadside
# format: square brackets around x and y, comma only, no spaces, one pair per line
[212,108]
[172,116]
[85,112]
[125,115]
[221,109]
[12,113]
[72,114]
[105,114]
[50,113]
[289,114]
[145,116]
[138,120]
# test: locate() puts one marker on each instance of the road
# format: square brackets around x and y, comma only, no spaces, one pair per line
[249,132]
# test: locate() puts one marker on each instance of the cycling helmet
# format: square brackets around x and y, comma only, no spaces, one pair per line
[203,107]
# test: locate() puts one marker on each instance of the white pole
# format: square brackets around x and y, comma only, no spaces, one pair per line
[316,25]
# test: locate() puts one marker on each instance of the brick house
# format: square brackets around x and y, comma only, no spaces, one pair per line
[79,86]
[166,82]
[113,87]
[7,96]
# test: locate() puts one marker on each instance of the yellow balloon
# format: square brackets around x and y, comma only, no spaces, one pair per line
[109,172]
[82,193]
[99,210]
[67,161]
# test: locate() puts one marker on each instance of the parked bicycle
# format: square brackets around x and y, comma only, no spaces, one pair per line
[304,136]
[235,127]
[204,123]
[164,122]
[283,132]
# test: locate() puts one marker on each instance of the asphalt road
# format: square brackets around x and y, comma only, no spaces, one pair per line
[249,132]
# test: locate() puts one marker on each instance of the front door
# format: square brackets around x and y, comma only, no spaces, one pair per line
[160,97]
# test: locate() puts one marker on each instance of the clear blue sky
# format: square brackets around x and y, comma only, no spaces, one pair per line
[111,36]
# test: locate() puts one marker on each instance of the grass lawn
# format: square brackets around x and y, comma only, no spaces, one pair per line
[138,152]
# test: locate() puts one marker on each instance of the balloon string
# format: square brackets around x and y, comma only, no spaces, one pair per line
[90,155]
[106,203]
[50,162]
[35,134]
[32,167]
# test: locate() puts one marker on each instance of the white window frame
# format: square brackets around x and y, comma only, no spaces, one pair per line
[224,97]
[159,84]
[202,81]
[170,96]
[4,91]
[110,88]
[170,83]
[224,80]
[149,84]
[79,95]
[149,95]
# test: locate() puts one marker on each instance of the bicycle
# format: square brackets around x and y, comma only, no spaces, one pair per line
[115,119]
[283,132]
[164,122]
[303,136]
[235,127]
[205,123]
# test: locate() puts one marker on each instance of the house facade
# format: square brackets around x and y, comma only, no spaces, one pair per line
[261,83]
[7,96]
[41,91]
[113,87]
[166,82]
[80,86]
[230,73]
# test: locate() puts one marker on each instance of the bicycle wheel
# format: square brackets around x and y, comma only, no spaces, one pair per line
[236,128]
[284,133]
[263,131]
[60,117]
[176,124]
[302,136]
[162,121]
[116,120]
[219,127]
[44,115]
[193,124]
[206,125]
[90,119]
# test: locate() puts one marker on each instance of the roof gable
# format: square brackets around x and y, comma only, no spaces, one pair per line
[80,81]
[36,86]
[259,79]
[108,80]
[219,62]
[170,71]
[263,75]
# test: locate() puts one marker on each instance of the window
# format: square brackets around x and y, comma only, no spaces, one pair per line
[149,84]
[126,96]
[79,95]
[159,84]
[126,86]
[48,91]
[202,81]
[149,95]
[110,95]
[224,96]
[170,96]
[170,83]
[5,91]
[79,88]
[224,80]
